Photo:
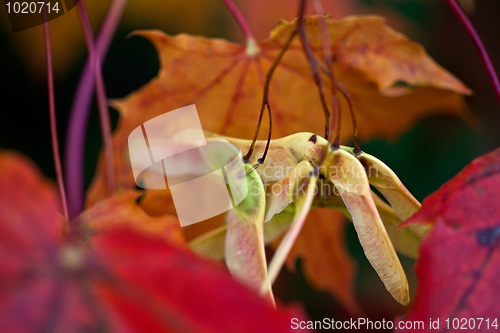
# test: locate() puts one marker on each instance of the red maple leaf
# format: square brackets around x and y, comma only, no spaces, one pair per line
[121,280]
[459,260]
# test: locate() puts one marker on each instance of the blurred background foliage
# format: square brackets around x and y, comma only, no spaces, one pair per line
[424,158]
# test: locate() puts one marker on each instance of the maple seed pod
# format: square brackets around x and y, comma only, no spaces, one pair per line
[401,200]
[404,240]
[303,194]
[386,181]
[244,242]
[288,157]
[348,175]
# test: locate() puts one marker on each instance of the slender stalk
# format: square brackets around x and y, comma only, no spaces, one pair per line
[336,107]
[239,19]
[53,125]
[347,97]
[101,97]
[325,39]
[336,85]
[265,99]
[313,65]
[327,58]
[338,128]
[263,158]
[485,58]
[77,127]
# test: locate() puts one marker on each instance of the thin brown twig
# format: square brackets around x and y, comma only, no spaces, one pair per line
[325,39]
[337,108]
[262,159]
[338,124]
[336,85]
[347,97]
[265,99]
[313,63]
[327,58]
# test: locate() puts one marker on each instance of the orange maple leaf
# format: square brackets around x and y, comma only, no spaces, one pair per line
[225,82]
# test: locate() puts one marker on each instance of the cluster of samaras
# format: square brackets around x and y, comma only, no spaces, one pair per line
[303,170]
